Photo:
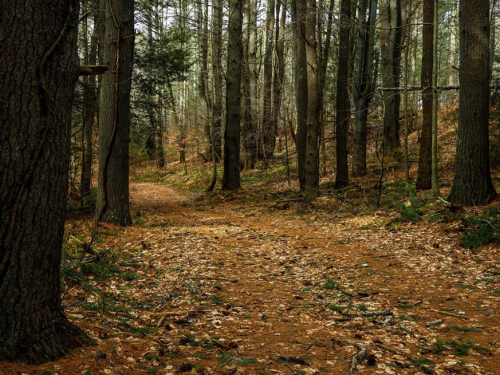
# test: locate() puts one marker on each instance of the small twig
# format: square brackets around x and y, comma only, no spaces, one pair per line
[452,314]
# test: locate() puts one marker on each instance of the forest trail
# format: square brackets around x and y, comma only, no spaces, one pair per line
[227,283]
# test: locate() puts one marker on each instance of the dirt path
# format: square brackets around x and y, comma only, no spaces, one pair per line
[224,284]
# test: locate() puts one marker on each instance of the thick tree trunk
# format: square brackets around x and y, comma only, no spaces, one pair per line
[39,69]
[231,178]
[424,179]
[472,184]
[342,105]
[114,116]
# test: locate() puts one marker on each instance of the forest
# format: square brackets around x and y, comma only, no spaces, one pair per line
[249,187]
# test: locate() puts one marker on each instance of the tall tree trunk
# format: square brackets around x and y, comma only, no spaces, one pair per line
[493,18]
[391,40]
[323,63]
[217,77]
[279,69]
[231,178]
[114,116]
[248,115]
[435,104]
[452,75]
[39,68]
[424,179]
[472,183]
[89,112]
[342,104]
[267,121]
[203,77]
[312,155]
[364,72]
[299,17]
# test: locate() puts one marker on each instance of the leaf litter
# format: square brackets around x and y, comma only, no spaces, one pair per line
[222,284]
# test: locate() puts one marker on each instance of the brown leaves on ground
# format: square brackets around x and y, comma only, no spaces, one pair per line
[228,284]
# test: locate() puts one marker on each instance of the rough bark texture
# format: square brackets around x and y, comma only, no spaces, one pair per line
[203,77]
[267,122]
[249,132]
[364,84]
[424,180]
[299,8]
[472,183]
[312,154]
[217,78]
[342,105]
[231,179]
[391,39]
[114,114]
[38,71]
[279,70]
[89,112]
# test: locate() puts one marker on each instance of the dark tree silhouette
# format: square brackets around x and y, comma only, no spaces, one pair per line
[38,71]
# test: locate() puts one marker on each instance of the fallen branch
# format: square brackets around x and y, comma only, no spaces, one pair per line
[358,358]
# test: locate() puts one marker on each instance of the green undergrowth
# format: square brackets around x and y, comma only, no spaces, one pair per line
[481,229]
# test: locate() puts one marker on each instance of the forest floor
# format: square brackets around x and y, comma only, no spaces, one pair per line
[260,281]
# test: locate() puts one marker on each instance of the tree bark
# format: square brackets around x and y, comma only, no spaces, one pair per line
[249,128]
[424,179]
[342,104]
[217,77]
[279,69]
[299,18]
[231,178]
[114,116]
[267,121]
[312,154]
[89,112]
[391,37]
[39,68]
[472,183]
[364,71]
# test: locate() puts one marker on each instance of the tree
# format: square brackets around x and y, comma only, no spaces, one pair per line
[301,92]
[231,178]
[424,180]
[472,183]
[217,18]
[114,114]
[38,70]
[393,18]
[312,154]
[249,116]
[342,104]
[364,80]
[268,133]
[89,105]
